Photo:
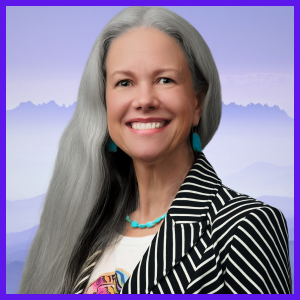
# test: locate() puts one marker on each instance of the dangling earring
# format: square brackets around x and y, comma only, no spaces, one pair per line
[111,145]
[196,142]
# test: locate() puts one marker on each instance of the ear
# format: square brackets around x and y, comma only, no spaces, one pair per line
[200,96]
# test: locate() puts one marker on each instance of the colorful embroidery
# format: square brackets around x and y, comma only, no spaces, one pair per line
[109,283]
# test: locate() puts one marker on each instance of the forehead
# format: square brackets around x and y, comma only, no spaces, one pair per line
[145,47]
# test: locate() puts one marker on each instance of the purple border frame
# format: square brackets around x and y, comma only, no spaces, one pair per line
[148,3]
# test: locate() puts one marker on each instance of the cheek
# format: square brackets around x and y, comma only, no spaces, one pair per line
[116,110]
[113,113]
[181,105]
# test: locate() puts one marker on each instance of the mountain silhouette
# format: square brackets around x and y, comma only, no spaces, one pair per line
[28,108]
[230,111]
[256,112]
[30,115]
[246,134]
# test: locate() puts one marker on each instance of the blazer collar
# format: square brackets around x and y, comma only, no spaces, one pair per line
[196,194]
[183,226]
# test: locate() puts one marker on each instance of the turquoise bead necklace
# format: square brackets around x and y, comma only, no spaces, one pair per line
[150,224]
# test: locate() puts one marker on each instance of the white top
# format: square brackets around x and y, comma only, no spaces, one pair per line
[117,264]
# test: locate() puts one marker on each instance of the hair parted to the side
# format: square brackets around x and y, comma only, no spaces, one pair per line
[92,190]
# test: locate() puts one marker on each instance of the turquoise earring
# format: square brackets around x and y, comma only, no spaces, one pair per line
[196,142]
[111,145]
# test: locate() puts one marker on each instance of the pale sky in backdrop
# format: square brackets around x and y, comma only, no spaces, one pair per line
[47,48]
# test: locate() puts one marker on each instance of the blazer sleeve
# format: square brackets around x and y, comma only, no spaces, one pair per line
[258,260]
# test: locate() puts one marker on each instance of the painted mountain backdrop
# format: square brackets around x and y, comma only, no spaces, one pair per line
[50,112]
[246,135]
[252,152]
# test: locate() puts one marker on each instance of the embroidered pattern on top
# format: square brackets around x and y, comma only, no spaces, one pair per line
[109,283]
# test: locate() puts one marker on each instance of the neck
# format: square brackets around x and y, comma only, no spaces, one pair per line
[159,182]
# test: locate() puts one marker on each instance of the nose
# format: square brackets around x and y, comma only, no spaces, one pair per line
[146,98]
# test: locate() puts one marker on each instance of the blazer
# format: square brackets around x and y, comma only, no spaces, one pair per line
[215,240]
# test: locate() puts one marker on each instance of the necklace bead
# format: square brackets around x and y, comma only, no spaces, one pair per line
[150,224]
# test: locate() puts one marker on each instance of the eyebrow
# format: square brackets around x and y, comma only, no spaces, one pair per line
[156,72]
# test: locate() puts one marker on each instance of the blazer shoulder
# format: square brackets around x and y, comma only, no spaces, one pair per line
[258,258]
[237,206]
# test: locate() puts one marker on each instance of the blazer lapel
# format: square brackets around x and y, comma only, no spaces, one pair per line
[183,226]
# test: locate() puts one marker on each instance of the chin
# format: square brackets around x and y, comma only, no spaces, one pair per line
[147,154]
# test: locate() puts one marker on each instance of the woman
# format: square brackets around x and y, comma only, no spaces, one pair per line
[134,206]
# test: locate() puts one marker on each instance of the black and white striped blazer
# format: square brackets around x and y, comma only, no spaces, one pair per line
[215,240]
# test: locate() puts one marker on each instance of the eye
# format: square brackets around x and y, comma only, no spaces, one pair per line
[123,83]
[164,80]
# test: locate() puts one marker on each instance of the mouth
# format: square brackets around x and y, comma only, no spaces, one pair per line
[148,125]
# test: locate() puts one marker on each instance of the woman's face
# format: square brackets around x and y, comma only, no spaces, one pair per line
[151,103]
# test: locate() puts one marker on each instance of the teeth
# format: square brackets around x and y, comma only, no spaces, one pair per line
[139,126]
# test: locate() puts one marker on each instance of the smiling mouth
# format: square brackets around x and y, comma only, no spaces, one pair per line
[149,125]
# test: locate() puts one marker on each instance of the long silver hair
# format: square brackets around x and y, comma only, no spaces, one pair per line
[92,190]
